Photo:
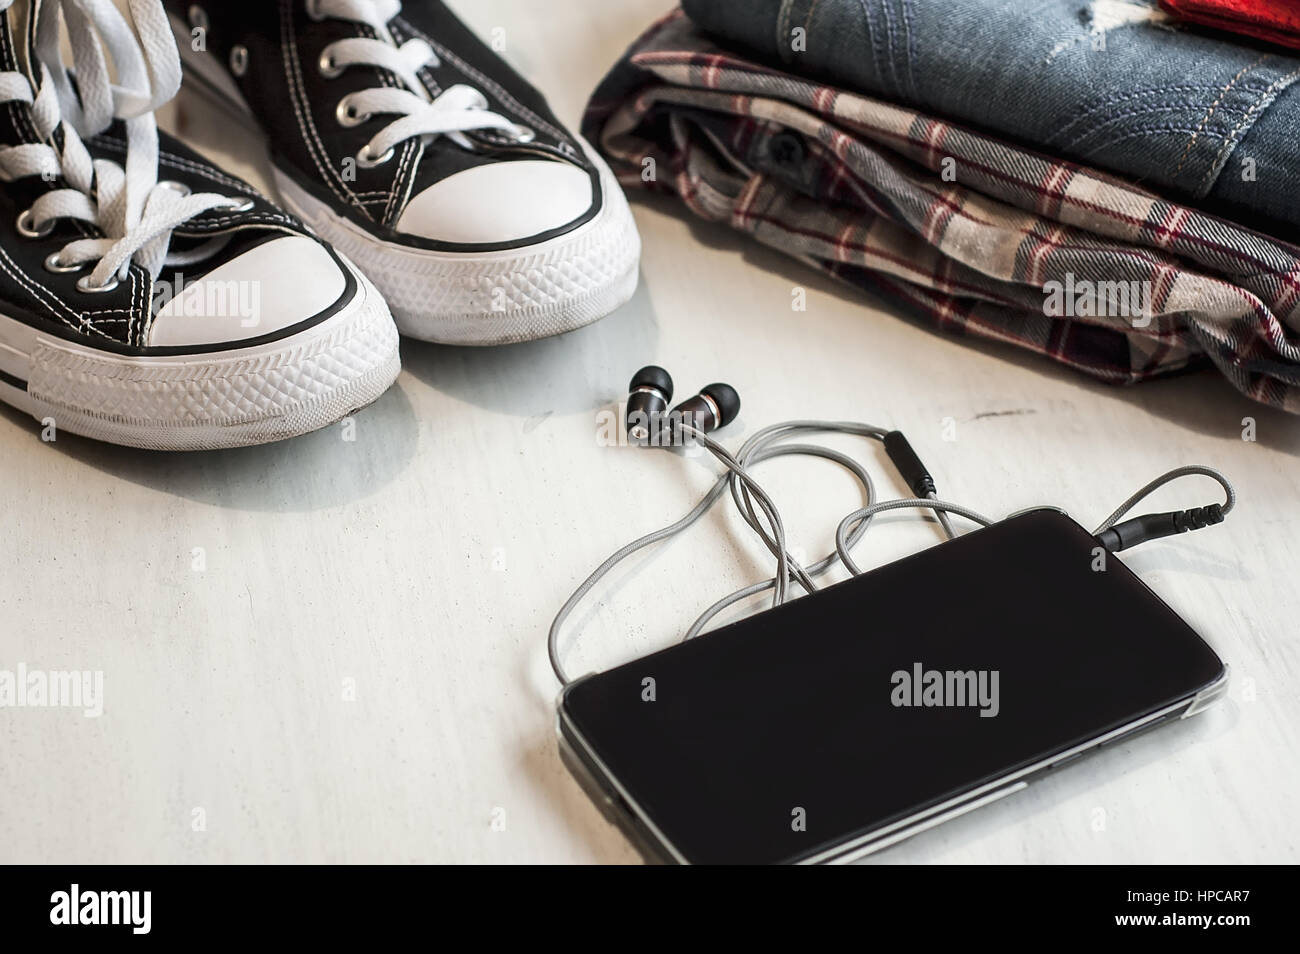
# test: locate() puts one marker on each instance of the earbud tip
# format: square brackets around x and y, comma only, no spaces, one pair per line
[653,376]
[727,400]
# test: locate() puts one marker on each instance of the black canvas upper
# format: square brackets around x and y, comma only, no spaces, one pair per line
[296,107]
[116,320]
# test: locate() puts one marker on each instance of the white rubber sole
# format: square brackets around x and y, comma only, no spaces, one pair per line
[482,298]
[491,298]
[255,395]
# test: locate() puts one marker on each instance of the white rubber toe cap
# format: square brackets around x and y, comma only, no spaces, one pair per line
[274,286]
[499,202]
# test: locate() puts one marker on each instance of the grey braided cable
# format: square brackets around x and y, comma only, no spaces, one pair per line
[1188,471]
[751,500]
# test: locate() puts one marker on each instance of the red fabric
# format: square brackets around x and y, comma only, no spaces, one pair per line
[1277,21]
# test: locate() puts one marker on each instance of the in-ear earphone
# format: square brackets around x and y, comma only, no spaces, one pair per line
[649,392]
[717,405]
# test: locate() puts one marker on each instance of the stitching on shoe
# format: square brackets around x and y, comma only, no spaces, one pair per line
[31,287]
[261,218]
[133,328]
[405,198]
[408,170]
[144,324]
[520,110]
[23,112]
[22,117]
[409,152]
[293,73]
[390,82]
[181,162]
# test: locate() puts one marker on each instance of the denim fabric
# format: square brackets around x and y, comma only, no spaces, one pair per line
[1116,84]
[978,235]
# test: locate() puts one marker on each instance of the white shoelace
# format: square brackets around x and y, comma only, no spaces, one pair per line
[457,110]
[135,212]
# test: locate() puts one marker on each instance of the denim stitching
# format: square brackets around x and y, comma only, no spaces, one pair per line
[1124,97]
[810,16]
[1206,118]
[784,17]
[889,41]
[909,48]
[1180,130]
[1230,141]
[784,26]
[1130,114]
[868,24]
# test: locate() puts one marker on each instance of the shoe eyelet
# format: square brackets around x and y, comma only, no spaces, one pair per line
[199,18]
[27,231]
[239,61]
[349,117]
[366,162]
[180,188]
[524,135]
[84,286]
[327,67]
[52,264]
[247,205]
[313,10]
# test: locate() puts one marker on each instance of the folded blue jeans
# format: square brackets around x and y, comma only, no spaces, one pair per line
[1115,84]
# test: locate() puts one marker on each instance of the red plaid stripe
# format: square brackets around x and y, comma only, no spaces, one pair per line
[866,200]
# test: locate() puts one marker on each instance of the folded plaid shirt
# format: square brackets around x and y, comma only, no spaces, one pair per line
[979,235]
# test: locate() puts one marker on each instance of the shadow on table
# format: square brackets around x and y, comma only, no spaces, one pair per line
[313,472]
[569,805]
[1178,555]
[576,371]
[335,466]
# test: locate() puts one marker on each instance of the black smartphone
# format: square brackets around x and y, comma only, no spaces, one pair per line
[844,721]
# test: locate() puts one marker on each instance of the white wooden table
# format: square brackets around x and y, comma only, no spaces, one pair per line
[334,650]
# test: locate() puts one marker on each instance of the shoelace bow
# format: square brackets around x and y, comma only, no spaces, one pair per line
[459,109]
[135,212]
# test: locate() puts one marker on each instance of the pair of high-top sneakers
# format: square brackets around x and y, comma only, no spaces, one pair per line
[150,299]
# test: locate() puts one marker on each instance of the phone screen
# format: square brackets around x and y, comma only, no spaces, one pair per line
[806,726]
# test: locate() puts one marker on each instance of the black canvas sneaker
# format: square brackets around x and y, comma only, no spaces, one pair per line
[146,298]
[410,145]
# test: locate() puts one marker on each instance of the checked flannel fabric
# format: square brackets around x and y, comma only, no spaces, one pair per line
[978,235]
[1117,85]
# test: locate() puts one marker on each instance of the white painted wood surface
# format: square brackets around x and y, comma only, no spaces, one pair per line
[422,563]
